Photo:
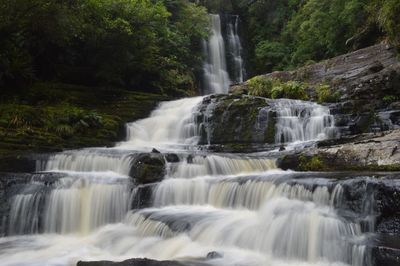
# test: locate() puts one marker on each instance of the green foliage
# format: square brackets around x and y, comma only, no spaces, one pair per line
[274,88]
[290,90]
[261,86]
[311,164]
[390,98]
[134,44]
[270,55]
[386,14]
[289,33]
[325,94]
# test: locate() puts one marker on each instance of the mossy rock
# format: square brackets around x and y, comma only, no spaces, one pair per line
[51,117]
[148,168]
[236,120]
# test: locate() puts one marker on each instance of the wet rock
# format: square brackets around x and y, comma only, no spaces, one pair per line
[10,184]
[24,163]
[143,196]
[365,81]
[230,119]
[373,153]
[214,255]
[171,158]
[148,168]
[131,262]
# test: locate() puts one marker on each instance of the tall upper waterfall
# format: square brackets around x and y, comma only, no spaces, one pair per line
[235,50]
[216,75]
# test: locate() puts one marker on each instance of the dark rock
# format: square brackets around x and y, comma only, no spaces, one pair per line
[10,185]
[214,255]
[230,119]
[172,157]
[385,256]
[18,163]
[368,153]
[189,159]
[143,196]
[131,262]
[394,106]
[148,168]
[155,151]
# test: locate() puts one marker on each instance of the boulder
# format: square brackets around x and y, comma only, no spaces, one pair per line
[236,119]
[370,152]
[148,168]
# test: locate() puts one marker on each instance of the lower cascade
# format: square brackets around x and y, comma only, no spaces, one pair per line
[302,121]
[86,205]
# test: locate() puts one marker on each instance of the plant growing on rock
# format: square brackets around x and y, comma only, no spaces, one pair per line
[325,94]
[275,88]
[390,98]
[261,86]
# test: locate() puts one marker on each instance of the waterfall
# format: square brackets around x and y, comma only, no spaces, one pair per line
[238,206]
[302,121]
[215,71]
[75,203]
[194,166]
[223,46]
[235,50]
[171,123]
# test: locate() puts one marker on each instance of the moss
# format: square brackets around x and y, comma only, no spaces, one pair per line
[269,134]
[314,163]
[321,163]
[325,94]
[51,117]
[374,167]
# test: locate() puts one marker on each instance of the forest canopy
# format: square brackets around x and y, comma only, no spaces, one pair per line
[155,45]
[151,45]
[284,34]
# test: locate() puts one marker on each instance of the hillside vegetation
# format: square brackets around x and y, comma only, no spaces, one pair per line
[288,33]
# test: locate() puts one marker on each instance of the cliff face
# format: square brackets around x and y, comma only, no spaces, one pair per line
[365,74]
[366,84]
[366,114]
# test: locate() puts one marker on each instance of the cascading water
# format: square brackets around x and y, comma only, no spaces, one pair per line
[215,71]
[223,46]
[299,121]
[238,206]
[172,123]
[235,50]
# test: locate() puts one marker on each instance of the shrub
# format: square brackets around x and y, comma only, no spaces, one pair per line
[390,98]
[325,94]
[275,89]
[294,90]
[311,164]
[261,86]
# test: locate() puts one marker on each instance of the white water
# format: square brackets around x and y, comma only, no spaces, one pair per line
[300,121]
[235,50]
[219,51]
[238,205]
[215,71]
[248,192]
[219,165]
[171,123]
